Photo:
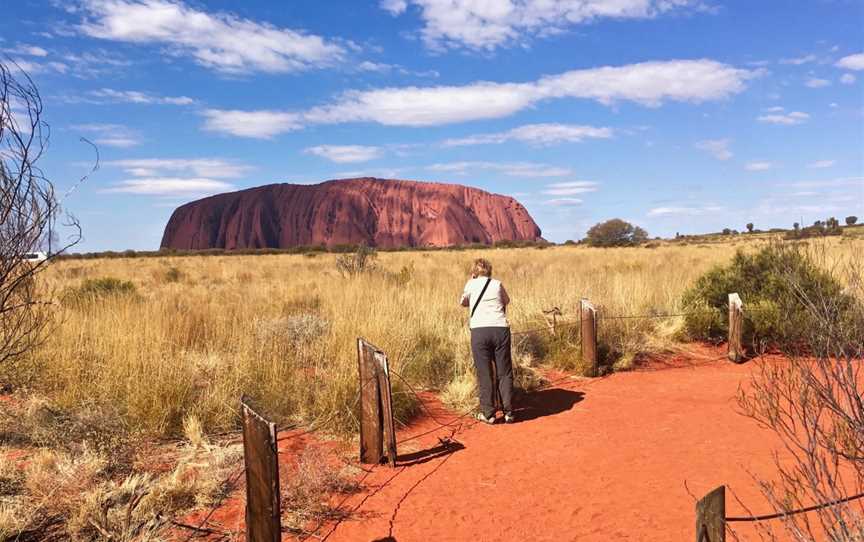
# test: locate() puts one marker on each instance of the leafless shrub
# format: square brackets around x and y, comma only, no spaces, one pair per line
[294,330]
[29,210]
[357,263]
[815,406]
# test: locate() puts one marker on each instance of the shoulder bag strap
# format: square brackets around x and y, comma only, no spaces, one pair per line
[483,291]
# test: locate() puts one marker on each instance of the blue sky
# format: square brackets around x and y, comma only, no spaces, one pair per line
[678,115]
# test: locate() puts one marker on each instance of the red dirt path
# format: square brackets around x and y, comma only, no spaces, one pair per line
[590,460]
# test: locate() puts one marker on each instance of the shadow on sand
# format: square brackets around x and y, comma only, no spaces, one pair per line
[445,448]
[538,404]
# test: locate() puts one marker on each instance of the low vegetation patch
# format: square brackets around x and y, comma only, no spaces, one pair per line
[781,285]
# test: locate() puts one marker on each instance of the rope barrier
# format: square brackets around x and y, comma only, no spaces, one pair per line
[804,510]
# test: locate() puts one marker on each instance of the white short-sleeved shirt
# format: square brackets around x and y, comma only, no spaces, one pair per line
[492,310]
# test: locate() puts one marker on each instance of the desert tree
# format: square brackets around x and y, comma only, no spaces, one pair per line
[615,233]
[851,220]
[30,214]
[749,227]
[814,402]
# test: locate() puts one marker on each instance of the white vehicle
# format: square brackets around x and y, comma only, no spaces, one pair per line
[34,257]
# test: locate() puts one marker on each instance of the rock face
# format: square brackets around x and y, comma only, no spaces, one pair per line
[381,213]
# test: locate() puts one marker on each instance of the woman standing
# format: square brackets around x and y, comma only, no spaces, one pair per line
[490,339]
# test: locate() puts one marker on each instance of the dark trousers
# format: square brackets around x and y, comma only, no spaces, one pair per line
[492,345]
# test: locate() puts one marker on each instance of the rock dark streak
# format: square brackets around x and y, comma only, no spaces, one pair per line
[378,212]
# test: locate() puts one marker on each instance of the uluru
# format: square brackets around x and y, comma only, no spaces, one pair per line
[379,212]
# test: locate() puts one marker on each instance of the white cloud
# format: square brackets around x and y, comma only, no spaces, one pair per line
[221,41]
[649,84]
[829,183]
[536,134]
[256,124]
[806,59]
[571,188]
[138,97]
[32,67]
[345,153]
[216,168]
[759,166]
[486,25]
[685,210]
[847,79]
[814,82]
[563,202]
[719,148]
[852,62]
[821,164]
[26,50]
[111,135]
[395,7]
[513,169]
[169,186]
[788,119]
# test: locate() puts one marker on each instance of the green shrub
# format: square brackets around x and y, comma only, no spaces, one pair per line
[785,294]
[101,288]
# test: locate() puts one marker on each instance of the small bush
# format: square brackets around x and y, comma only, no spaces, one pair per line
[295,330]
[357,263]
[776,284]
[101,288]
[403,277]
[169,274]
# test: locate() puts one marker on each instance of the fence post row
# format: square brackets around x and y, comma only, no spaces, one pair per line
[589,336]
[263,521]
[736,328]
[711,517]
[376,405]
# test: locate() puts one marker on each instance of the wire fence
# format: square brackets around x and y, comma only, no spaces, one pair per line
[456,426]
[795,512]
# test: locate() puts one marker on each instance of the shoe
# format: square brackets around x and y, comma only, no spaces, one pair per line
[482,417]
[509,417]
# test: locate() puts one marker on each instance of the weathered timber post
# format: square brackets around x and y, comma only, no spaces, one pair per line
[589,336]
[383,369]
[260,455]
[371,431]
[711,517]
[736,328]
[376,405]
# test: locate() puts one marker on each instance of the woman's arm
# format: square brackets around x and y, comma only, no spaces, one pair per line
[505,299]
[466,295]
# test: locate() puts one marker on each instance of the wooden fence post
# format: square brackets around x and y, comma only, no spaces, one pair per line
[260,455]
[371,432]
[376,405]
[711,517]
[389,428]
[589,336]
[736,328]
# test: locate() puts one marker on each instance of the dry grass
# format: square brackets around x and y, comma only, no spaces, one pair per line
[309,492]
[57,495]
[197,332]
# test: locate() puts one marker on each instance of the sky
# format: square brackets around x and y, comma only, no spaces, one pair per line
[681,116]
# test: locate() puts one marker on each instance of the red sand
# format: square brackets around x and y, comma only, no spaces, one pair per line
[603,459]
